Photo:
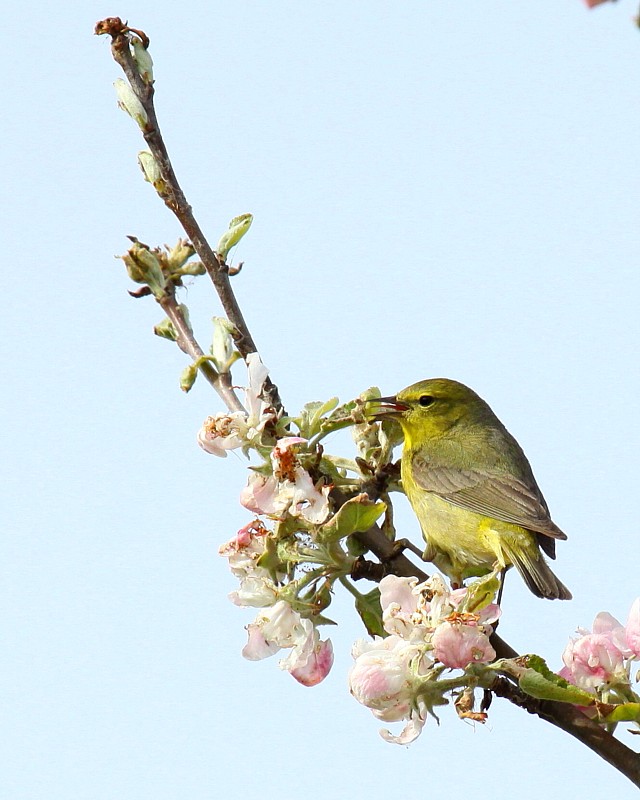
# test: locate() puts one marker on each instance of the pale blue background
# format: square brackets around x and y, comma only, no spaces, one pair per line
[439,188]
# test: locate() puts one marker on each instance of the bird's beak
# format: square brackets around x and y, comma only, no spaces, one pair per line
[386,407]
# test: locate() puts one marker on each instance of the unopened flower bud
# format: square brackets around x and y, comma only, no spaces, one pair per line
[129,102]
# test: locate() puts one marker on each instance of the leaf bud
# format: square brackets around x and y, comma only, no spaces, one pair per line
[237,229]
[222,346]
[166,330]
[188,377]
[143,267]
[144,62]
[151,171]
[129,102]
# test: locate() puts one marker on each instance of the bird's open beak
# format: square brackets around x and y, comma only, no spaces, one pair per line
[386,407]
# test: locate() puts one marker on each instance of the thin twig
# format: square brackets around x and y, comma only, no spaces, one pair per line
[221,381]
[174,197]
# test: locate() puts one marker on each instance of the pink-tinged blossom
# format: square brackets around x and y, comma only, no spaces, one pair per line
[594,661]
[632,629]
[244,550]
[261,495]
[229,430]
[256,588]
[399,604]
[457,645]
[221,432]
[246,547]
[256,591]
[290,488]
[597,658]
[314,665]
[608,625]
[414,611]
[386,677]
[490,613]
[281,627]
[307,500]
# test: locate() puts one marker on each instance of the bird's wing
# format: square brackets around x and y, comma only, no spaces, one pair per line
[495,495]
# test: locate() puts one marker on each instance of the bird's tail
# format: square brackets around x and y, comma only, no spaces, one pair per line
[538,576]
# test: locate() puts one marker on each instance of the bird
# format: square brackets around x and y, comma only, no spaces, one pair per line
[471,487]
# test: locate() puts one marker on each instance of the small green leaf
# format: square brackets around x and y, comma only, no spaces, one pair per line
[480,593]
[188,377]
[553,687]
[311,417]
[626,712]
[237,229]
[357,514]
[166,330]
[192,268]
[270,558]
[370,610]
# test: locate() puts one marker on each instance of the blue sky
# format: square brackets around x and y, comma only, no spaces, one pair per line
[438,189]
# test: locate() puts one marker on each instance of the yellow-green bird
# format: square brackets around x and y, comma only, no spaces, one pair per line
[472,487]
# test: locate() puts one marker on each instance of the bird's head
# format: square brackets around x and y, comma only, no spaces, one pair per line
[430,408]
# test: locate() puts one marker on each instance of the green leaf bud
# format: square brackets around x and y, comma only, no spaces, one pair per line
[144,267]
[129,102]
[144,62]
[357,514]
[237,229]
[166,330]
[151,171]
[188,377]
[222,347]
[179,254]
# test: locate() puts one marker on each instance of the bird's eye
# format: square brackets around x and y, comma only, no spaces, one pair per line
[426,400]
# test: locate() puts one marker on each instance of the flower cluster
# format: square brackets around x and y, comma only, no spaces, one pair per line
[599,660]
[278,626]
[429,629]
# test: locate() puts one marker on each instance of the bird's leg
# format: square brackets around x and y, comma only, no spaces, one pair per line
[503,575]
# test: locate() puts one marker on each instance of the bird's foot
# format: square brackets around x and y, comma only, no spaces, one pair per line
[400,545]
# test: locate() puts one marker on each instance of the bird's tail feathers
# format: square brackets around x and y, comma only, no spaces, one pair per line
[538,576]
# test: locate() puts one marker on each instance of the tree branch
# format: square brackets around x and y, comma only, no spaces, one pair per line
[570,719]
